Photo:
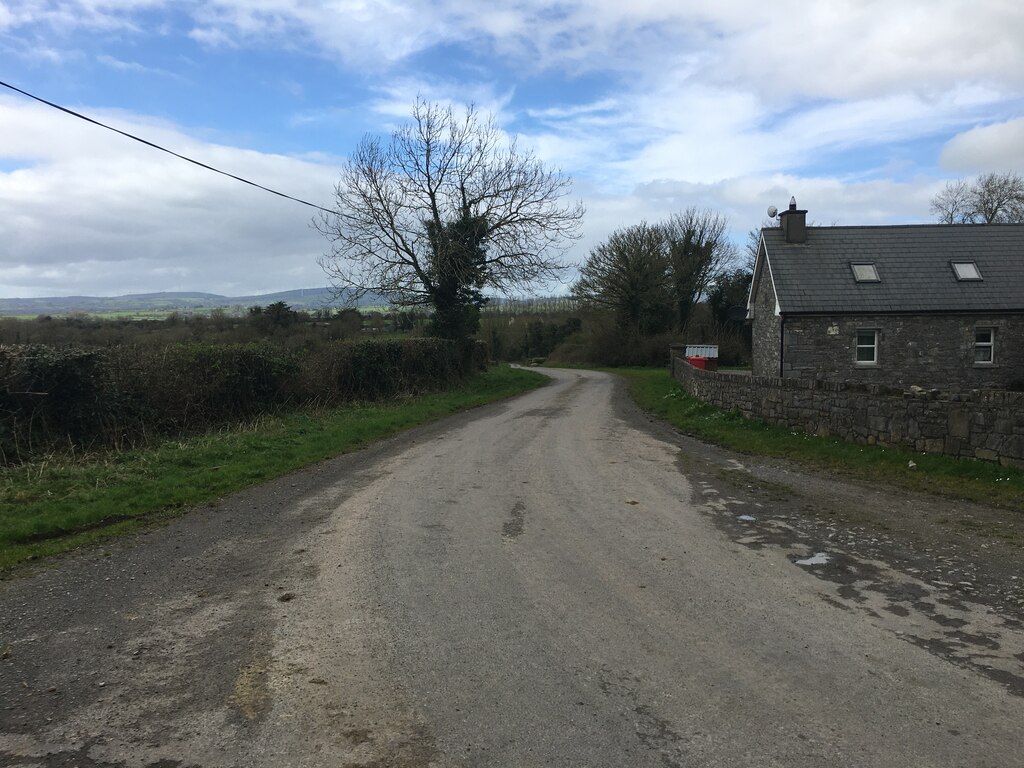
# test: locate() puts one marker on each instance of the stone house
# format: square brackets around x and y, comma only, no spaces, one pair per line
[936,305]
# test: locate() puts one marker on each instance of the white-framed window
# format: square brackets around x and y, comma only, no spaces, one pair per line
[984,346]
[867,346]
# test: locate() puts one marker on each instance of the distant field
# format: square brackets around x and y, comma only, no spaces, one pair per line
[159,305]
[134,314]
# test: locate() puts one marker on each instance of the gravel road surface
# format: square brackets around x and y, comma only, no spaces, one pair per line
[550,581]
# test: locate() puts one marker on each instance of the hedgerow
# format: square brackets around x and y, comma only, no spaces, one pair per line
[55,398]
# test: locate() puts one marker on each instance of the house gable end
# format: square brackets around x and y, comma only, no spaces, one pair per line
[762,279]
[764,313]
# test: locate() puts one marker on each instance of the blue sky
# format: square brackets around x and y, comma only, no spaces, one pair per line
[862,110]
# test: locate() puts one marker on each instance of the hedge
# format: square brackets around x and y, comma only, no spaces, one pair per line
[53,397]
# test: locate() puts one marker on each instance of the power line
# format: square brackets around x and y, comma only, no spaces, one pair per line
[163,149]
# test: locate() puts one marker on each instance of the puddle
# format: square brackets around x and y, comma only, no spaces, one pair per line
[819,558]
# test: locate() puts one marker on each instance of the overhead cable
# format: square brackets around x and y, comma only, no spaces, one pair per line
[162,149]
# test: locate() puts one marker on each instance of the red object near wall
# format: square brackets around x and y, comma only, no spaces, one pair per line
[704,363]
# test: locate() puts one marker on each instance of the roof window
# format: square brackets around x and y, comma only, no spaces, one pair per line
[865,273]
[966,270]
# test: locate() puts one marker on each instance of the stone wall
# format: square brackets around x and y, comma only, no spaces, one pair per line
[987,425]
[933,351]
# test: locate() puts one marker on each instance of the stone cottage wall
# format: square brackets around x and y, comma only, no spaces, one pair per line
[932,351]
[987,425]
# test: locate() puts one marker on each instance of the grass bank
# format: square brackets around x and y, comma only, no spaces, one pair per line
[59,503]
[979,481]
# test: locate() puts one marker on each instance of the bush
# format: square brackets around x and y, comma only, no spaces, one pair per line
[47,392]
[602,342]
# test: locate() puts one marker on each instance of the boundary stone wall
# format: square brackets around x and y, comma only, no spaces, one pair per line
[979,424]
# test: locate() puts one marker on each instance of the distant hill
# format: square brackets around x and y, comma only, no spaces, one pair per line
[303,298]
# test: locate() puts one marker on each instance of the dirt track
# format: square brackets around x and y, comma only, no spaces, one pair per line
[550,581]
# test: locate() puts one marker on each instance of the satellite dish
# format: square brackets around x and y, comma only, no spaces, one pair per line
[772,211]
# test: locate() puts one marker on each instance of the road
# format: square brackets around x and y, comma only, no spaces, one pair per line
[551,581]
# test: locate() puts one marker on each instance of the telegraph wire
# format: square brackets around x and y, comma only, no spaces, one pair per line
[162,149]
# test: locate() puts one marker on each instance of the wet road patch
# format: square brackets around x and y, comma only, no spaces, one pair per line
[874,572]
[513,527]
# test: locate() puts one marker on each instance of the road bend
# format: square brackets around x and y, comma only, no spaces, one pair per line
[537,583]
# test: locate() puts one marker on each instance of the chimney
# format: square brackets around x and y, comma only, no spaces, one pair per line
[794,223]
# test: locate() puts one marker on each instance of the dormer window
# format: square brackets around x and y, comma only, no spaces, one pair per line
[966,270]
[865,273]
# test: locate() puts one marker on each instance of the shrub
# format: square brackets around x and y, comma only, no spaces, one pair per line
[47,392]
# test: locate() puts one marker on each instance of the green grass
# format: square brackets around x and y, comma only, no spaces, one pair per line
[54,505]
[987,483]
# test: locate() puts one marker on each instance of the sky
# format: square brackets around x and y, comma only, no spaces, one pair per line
[862,110]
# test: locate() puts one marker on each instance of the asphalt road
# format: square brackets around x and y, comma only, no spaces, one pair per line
[543,582]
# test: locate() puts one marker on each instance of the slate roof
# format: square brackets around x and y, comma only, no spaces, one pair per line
[913,264]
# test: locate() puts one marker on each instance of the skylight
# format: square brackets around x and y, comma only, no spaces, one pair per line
[865,273]
[966,270]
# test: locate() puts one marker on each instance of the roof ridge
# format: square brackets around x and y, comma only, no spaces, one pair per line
[958,227]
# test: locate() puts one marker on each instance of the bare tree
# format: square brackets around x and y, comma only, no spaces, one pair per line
[443,211]
[999,198]
[630,275]
[952,205]
[993,198]
[699,251]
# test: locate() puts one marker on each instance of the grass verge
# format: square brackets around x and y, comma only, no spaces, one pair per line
[655,392]
[60,503]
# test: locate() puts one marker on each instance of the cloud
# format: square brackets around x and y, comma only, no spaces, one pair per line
[653,105]
[134,67]
[856,50]
[121,66]
[988,148]
[373,35]
[394,98]
[686,131]
[91,212]
[785,50]
[78,14]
